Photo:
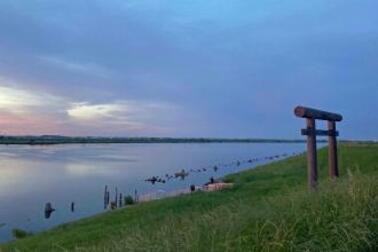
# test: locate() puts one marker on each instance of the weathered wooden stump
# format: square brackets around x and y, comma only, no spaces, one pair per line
[136,198]
[212,181]
[192,188]
[120,203]
[116,196]
[48,210]
[106,197]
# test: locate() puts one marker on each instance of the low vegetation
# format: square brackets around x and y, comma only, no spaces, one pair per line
[129,200]
[20,233]
[268,209]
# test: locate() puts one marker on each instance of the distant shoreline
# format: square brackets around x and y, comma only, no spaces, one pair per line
[52,140]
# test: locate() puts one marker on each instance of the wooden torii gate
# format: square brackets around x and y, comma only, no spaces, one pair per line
[311,132]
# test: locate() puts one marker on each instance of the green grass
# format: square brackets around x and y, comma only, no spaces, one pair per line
[269,209]
[20,234]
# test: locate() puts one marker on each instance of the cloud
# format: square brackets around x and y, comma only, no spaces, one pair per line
[104,114]
[84,111]
[88,68]
[15,100]
[24,111]
[136,115]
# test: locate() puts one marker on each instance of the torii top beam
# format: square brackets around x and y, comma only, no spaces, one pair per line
[311,113]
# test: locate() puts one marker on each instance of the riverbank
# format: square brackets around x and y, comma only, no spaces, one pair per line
[268,208]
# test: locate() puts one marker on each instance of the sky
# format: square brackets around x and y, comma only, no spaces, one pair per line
[186,68]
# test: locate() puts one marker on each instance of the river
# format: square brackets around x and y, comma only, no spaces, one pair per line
[31,176]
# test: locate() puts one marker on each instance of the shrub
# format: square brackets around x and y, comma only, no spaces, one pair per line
[129,200]
[20,234]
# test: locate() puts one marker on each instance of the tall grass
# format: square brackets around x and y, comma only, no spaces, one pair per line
[340,216]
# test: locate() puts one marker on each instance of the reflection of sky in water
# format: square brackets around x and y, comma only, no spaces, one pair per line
[31,176]
[78,169]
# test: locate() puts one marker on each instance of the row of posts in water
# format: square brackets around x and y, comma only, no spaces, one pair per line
[184,173]
[49,209]
[119,200]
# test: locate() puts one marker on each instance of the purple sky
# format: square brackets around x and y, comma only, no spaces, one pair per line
[215,68]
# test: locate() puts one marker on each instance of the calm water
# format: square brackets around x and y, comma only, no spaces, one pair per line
[31,176]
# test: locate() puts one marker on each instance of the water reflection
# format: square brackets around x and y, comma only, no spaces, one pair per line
[86,169]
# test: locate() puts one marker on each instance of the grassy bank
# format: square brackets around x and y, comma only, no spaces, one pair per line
[269,209]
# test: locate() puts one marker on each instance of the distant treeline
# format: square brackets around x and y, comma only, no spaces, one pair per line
[92,140]
[48,139]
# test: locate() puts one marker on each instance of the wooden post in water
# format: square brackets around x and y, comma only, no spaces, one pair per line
[120,200]
[106,197]
[48,210]
[116,196]
[311,132]
[136,196]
